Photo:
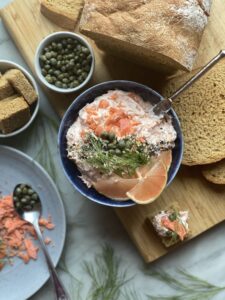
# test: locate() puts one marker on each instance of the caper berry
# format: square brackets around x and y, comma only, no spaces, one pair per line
[34,197]
[23,200]
[15,199]
[48,55]
[30,191]
[89,57]
[44,72]
[64,86]
[172,216]
[121,144]
[18,191]
[118,152]
[59,46]
[24,190]
[51,71]
[65,80]
[58,84]
[18,205]
[53,61]
[85,50]
[49,79]
[43,58]
[75,83]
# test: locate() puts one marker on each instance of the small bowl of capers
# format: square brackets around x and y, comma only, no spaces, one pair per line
[64,62]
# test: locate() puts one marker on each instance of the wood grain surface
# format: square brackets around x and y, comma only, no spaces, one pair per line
[205,202]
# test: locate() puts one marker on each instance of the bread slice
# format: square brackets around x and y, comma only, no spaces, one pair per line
[158,33]
[63,13]
[14,113]
[21,85]
[6,90]
[201,110]
[215,173]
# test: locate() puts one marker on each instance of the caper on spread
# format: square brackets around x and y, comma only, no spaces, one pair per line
[65,63]
[25,197]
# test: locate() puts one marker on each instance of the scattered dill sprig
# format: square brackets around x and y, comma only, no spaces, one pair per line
[106,276]
[187,286]
[120,160]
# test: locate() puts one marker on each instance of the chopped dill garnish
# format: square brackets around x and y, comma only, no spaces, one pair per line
[110,155]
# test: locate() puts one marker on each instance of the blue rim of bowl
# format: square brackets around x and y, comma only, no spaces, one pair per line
[171,173]
[61,203]
[39,49]
[34,114]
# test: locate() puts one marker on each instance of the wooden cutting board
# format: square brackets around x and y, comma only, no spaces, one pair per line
[205,202]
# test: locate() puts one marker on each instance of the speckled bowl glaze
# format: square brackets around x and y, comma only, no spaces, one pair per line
[70,116]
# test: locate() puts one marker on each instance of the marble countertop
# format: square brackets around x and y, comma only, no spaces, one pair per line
[91,227]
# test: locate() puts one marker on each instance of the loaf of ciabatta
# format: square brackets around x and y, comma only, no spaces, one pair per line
[163,34]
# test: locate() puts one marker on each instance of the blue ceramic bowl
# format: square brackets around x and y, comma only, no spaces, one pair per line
[70,116]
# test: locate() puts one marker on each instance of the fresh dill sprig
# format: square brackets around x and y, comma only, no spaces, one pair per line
[106,276]
[109,282]
[187,286]
[119,160]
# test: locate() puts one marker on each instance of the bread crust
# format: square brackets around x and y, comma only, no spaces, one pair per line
[215,173]
[66,18]
[172,28]
[201,111]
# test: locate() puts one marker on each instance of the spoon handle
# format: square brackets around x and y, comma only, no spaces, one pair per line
[60,292]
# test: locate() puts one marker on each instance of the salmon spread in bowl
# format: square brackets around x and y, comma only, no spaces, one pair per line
[121,147]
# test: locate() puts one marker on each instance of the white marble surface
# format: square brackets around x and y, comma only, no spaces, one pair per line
[90,226]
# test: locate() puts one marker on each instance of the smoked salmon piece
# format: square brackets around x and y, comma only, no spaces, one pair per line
[17,235]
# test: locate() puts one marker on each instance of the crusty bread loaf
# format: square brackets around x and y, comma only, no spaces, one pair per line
[14,113]
[63,13]
[215,173]
[201,110]
[21,85]
[158,33]
[6,90]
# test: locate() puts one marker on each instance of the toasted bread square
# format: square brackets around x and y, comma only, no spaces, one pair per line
[14,113]
[6,90]
[167,241]
[21,85]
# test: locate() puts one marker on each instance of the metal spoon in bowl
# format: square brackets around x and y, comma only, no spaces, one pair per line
[164,105]
[29,209]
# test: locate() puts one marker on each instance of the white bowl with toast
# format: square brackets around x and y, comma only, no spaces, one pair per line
[19,99]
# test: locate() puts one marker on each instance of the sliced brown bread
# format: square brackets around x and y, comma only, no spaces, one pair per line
[215,173]
[63,13]
[21,85]
[201,110]
[14,113]
[6,90]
